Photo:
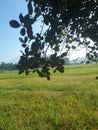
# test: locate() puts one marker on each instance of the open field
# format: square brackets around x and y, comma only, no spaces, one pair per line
[69,101]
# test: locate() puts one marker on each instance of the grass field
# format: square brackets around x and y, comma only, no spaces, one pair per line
[69,101]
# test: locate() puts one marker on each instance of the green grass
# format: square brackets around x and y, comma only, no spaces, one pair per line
[69,101]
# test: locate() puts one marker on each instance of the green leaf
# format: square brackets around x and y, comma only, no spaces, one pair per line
[46,19]
[56,48]
[21,18]
[64,54]
[30,9]
[30,32]
[22,31]
[60,69]
[25,39]
[14,24]
[54,71]
[27,20]
[21,40]
[48,77]
[73,47]
[24,45]
[62,61]
[26,71]
[26,50]
[20,71]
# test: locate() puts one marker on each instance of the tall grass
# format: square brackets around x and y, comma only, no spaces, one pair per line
[69,101]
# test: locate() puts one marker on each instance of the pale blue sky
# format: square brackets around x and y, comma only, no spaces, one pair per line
[9,45]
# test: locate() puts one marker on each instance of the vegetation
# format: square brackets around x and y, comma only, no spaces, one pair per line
[68,102]
[62,26]
[7,66]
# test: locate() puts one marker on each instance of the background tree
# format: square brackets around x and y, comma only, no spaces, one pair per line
[66,24]
[7,66]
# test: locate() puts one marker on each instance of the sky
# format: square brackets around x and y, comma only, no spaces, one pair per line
[9,44]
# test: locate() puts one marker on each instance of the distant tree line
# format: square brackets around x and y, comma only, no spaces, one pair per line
[8,66]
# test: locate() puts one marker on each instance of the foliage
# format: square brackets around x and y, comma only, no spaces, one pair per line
[7,66]
[63,21]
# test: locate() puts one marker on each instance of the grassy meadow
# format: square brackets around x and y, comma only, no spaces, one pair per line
[69,101]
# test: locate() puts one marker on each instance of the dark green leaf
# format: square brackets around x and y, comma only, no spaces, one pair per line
[30,9]
[22,31]
[21,40]
[25,39]
[46,19]
[64,54]
[73,47]
[21,18]
[14,24]
[26,50]
[62,61]
[24,45]
[26,71]
[20,71]
[30,32]
[27,21]
[54,71]
[48,77]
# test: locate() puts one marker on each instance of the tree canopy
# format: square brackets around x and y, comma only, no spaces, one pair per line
[65,24]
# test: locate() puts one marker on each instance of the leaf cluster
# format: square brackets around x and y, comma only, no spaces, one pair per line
[78,18]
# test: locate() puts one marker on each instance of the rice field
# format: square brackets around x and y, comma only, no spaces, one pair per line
[69,101]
